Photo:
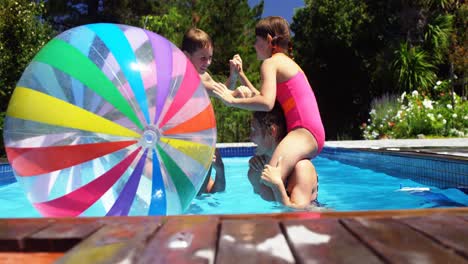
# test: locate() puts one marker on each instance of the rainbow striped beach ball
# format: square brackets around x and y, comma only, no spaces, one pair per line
[110,120]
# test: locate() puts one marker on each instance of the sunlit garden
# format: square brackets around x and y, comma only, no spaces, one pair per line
[438,113]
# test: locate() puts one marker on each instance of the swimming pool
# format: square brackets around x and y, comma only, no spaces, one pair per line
[343,187]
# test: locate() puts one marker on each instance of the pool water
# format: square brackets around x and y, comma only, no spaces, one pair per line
[341,188]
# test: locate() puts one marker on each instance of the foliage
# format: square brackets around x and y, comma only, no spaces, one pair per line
[327,23]
[437,37]
[65,14]
[22,34]
[415,114]
[458,55]
[328,36]
[412,69]
[364,49]
[233,125]
[231,34]
[170,25]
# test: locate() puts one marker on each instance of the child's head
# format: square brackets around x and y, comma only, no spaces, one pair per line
[276,30]
[198,47]
[268,129]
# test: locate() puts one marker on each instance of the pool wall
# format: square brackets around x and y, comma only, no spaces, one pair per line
[433,170]
[442,172]
[6,174]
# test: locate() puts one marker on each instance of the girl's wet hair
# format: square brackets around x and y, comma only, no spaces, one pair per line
[274,117]
[195,39]
[278,28]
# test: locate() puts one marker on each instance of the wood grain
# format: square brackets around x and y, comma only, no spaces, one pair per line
[253,241]
[189,239]
[398,243]
[326,241]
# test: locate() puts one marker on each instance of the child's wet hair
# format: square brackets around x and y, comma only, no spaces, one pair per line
[278,28]
[195,39]
[274,117]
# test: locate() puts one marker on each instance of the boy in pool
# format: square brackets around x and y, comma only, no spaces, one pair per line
[299,190]
[198,47]
[219,182]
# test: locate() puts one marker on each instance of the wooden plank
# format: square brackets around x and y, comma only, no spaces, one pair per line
[398,243]
[13,232]
[347,214]
[253,241]
[326,241]
[118,242]
[185,239]
[36,258]
[449,230]
[60,236]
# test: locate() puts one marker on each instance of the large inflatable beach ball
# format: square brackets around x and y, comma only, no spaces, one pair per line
[110,120]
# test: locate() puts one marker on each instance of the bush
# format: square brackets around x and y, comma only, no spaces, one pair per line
[417,113]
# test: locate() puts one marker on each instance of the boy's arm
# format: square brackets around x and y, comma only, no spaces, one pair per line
[220,179]
[235,65]
[232,80]
[207,183]
[300,193]
[208,82]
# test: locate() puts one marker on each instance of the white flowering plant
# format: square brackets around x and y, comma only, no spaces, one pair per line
[438,114]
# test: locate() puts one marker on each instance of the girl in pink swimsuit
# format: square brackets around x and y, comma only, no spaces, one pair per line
[283,80]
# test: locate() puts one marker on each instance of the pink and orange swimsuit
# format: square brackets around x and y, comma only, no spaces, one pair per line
[300,107]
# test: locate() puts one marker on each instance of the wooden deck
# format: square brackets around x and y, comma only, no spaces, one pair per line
[406,236]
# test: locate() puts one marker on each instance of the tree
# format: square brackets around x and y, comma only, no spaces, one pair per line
[364,49]
[71,13]
[171,25]
[330,43]
[458,53]
[22,33]
[412,69]
[231,34]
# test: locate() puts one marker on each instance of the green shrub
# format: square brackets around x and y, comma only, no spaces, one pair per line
[438,114]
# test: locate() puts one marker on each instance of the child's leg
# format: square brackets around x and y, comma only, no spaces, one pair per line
[298,144]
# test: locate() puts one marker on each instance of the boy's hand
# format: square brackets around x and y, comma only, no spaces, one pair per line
[217,162]
[271,176]
[223,93]
[242,92]
[257,162]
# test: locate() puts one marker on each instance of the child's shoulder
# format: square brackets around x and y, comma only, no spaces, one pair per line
[281,60]
[281,63]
